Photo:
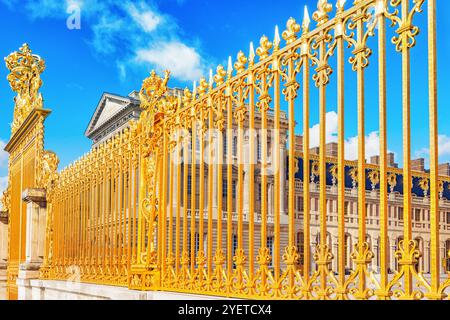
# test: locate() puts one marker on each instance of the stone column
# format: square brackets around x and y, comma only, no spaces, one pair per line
[3,252]
[35,200]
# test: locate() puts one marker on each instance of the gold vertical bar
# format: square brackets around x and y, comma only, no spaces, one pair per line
[201,175]
[264,167]
[163,187]
[186,195]
[434,147]
[361,152]
[142,194]
[251,173]
[229,180]
[130,207]
[277,161]
[341,157]
[384,246]
[178,209]
[306,169]
[193,190]
[323,165]
[211,186]
[171,196]
[407,183]
[220,158]
[240,182]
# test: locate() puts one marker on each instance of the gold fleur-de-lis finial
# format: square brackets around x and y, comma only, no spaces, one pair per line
[240,62]
[187,97]
[321,15]
[264,47]
[290,35]
[219,78]
[202,87]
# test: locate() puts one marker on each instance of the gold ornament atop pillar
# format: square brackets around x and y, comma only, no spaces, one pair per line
[25,79]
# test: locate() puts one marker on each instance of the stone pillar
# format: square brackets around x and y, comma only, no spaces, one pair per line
[3,253]
[35,200]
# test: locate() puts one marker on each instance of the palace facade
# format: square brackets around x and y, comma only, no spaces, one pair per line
[114,113]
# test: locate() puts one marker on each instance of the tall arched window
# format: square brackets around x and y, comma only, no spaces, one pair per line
[235,146]
[258,144]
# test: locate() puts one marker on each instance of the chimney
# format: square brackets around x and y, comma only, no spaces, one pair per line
[299,143]
[315,150]
[375,160]
[332,150]
[444,169]
[391,161]
[418,165]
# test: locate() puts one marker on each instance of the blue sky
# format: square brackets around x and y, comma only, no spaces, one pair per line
[120,42]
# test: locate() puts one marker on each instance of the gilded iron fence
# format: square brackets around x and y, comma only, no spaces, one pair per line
[201,195]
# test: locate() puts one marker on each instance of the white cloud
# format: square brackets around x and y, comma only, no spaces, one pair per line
[331,130]
[181,60]
[131,33]
[144,16]
[351,144]
[444,149]
[3,184]
[3,155]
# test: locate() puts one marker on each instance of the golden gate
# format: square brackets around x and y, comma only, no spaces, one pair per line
[149,209]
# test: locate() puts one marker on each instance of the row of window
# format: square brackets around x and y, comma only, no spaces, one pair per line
[373,209]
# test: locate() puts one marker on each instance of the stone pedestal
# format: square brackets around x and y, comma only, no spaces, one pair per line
[35,200]
[3,253]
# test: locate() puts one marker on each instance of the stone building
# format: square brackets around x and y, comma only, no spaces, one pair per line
[114,113]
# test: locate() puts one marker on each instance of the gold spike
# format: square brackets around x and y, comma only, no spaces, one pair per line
[251,54]
[306,20]
[194,90]
[276,39]
[230,67]
[211,79]
[340,6]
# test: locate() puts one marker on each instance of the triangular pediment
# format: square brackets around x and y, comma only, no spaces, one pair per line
[109,106]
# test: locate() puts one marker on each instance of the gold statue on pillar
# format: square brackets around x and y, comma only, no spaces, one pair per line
[25,79]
